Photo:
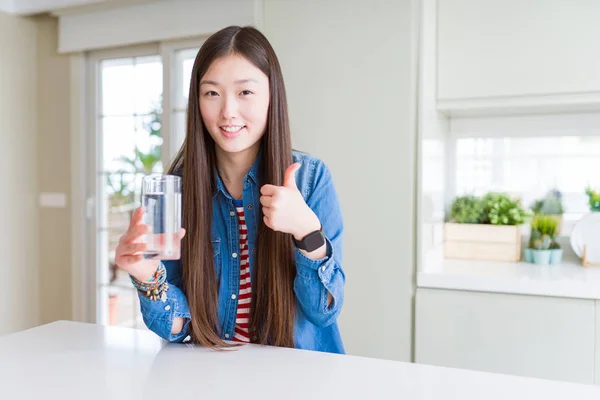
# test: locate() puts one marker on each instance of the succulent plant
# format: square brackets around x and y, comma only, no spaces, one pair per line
[551,204]
[534,237]
[542,243]
[543,232]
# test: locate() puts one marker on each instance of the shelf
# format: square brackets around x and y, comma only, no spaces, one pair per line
[568,279]
[515,105]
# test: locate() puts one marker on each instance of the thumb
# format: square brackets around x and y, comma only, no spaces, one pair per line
[289,179]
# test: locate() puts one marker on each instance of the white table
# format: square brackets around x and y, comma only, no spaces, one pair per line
[68,360]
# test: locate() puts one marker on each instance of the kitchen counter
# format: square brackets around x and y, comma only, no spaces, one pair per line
[568,279]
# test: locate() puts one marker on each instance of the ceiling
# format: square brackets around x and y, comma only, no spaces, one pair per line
[59,7]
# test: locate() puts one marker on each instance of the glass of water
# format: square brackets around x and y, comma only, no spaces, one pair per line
[161,201]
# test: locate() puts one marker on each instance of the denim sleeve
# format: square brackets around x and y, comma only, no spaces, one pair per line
[316,278]
[158,315]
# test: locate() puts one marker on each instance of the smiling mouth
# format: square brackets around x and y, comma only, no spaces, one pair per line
[232,129]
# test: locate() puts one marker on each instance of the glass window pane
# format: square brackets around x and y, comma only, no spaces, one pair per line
[184,62]
[149,143]
[179,128]
[104,258]
[122,187]
[528,167]
[118,94]
[131,134]
[148,87]
[119,141]
[121,302]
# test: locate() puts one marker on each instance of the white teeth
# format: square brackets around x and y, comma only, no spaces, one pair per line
[231,129]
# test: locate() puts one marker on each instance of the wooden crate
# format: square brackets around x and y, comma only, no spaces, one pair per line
[482,242]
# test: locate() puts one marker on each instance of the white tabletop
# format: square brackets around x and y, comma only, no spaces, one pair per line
[68,360]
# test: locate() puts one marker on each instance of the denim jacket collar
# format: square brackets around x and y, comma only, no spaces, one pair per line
[253,175]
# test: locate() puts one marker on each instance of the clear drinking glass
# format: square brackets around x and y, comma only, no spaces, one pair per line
[161,201]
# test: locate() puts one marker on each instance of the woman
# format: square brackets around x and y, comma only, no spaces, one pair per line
[261,256]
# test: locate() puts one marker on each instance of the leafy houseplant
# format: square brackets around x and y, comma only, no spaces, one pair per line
[543,247]
[501,209]
[484,228]
[467,210]
[494,208]
[593,199]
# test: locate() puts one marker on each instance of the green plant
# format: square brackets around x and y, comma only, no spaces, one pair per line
[545,224]
[534,238]
[543,232]
[501,209]
[467,210]
[543,243]
[551,204]
[593,198]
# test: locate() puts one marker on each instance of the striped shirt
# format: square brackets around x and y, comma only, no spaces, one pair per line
[245,293]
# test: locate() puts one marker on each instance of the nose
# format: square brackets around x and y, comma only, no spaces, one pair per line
[230,108]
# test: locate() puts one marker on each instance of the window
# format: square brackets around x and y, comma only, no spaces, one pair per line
[138,103]
[130,132]
[529,167]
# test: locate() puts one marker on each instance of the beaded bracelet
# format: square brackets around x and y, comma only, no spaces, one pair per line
[155,280]
[155,287]
[157,293]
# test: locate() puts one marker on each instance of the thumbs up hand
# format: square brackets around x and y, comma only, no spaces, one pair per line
[284,207]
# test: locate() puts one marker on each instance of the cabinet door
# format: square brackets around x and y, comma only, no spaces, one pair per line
[597,379]
[533,336]
[498,49]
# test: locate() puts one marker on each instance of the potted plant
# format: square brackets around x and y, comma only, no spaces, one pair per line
[556,253]
[467,210]
[543,247]
[593,199]
[484,228]
[551,205]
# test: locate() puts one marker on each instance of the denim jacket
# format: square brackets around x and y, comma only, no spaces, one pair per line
[315,325]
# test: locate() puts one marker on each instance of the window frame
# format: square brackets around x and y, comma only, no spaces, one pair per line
[87,136]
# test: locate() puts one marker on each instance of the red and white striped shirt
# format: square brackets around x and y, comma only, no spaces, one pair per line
[245,294]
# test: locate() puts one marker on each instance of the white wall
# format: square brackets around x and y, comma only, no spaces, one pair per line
[7,6]
[42,6]
[54,173]
[349,67]
[492,48]
[18,174]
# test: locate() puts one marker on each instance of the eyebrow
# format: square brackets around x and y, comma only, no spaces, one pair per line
[239,81]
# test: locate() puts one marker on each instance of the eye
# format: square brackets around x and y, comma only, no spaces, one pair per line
[211,93]
[246,92]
